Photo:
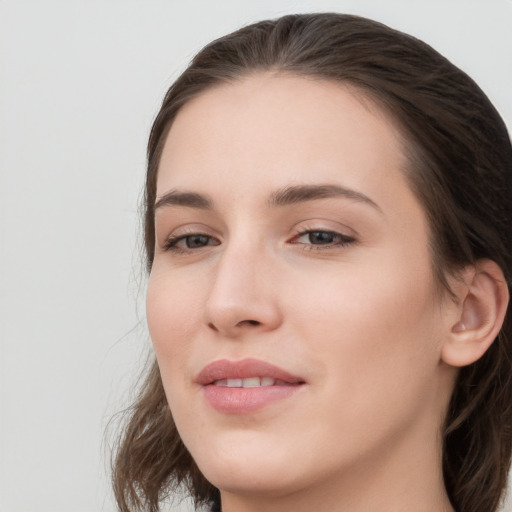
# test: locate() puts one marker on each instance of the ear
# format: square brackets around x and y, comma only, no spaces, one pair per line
[482,303]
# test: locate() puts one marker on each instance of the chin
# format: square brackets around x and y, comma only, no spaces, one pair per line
[247,467]
[247,479]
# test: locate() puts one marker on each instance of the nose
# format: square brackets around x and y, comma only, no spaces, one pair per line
[243,296]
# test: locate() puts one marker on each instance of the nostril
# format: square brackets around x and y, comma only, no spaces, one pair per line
[248,322]
[243,323]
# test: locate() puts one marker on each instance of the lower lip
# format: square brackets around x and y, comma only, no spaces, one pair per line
[246,400]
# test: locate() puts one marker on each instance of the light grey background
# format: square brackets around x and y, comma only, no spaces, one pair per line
[80,82]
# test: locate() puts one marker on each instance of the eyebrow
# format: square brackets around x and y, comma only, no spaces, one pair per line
[284,197]
[300,193]
[189,199]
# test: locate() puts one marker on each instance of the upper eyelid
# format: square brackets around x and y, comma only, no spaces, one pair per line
[191,228]
[181,236]
[204,230]
[323,230]
[331,226]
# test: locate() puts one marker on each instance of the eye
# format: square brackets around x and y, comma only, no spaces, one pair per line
[323,239]
[189,242]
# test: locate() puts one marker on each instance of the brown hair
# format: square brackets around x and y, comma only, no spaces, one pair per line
[461,170]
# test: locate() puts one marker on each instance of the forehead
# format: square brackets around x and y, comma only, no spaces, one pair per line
[271,130]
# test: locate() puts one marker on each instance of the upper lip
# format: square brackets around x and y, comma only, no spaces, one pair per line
[243,369]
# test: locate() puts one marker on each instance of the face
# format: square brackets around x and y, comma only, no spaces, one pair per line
[291,303]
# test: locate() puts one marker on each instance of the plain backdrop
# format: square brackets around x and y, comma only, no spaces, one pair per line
[80,82]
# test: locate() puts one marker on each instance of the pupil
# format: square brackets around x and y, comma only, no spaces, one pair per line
[321,237]
[196,241]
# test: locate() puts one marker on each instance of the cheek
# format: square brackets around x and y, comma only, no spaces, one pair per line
[369,341]
[384,296]
[172,311]
[377,323]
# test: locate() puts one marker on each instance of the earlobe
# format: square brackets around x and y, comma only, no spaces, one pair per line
[483,299]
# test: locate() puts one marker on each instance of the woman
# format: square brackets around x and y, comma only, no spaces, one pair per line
[328,235]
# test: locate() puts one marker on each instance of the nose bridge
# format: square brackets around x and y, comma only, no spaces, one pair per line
[241,295]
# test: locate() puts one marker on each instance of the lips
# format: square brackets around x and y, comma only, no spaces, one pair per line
[246,386]
[244,369]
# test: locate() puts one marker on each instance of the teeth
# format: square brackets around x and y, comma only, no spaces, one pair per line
[250,382]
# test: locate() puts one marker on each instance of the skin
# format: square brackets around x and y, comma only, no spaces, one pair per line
[360,318]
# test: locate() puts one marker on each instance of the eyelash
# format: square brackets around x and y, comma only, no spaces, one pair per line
[341,241]
[172,242]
